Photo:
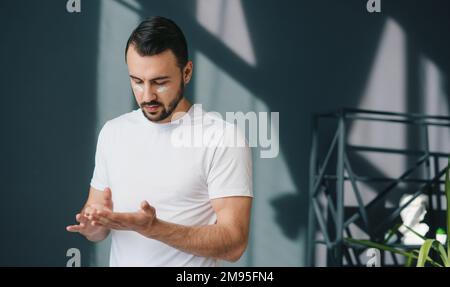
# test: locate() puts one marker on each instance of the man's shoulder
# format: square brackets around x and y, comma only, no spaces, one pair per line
[228,133]
[130,118]
[120,123]
[211,119]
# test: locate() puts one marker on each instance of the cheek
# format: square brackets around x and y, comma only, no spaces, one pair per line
[162,89]
[137,92]
[137,88]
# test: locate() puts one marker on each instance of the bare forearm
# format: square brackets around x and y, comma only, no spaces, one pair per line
[217,241]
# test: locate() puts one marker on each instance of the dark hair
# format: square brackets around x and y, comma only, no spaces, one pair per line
[156,35]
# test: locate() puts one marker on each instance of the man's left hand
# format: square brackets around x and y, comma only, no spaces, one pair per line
[140,221]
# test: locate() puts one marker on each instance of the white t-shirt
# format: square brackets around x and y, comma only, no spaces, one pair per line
[168,166]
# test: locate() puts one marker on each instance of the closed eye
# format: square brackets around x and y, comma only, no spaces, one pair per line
[160,83]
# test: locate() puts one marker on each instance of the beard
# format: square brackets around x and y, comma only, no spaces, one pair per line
[165,112]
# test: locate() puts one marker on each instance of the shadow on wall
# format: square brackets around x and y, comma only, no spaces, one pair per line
[314,56]
[309,56]
[48,107]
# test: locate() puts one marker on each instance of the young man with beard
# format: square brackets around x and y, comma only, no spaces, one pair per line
[163,204]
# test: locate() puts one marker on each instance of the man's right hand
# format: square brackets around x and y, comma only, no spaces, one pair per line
[86,226]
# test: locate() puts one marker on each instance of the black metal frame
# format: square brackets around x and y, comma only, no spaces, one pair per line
[335,225]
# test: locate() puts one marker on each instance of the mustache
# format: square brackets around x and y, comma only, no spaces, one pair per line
[152,103]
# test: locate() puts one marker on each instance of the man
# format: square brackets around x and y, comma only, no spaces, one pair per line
[166,204]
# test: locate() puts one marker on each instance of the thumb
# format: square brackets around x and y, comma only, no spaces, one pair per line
[107,195]
[145,206]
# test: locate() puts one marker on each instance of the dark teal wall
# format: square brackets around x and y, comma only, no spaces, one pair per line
[313,55]
[48,106]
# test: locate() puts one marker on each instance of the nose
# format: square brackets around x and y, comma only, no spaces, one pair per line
[148,94]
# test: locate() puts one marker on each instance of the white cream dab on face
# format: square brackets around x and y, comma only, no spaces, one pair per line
[162,89]
[138,88]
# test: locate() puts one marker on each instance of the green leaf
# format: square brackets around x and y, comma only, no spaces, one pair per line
[423,252]
[372,244]
[392,231]
[413,254]
[409,261]
[442,253]
[436,246]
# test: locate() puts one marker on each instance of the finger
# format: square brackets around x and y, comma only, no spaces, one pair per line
[96,218]
[107,197]
[105,223]
[88,210]
[93,215]
[74,228]
[79,218]
[106,213]
[104,219]
[102,225]
[107,194]
[91,212]
[115,220]
[100,216]
[112,216]
[97,223]
[145,206]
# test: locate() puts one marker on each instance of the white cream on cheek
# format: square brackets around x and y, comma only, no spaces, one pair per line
[138,87]
[162,89]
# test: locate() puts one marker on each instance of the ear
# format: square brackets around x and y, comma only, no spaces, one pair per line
[187,72]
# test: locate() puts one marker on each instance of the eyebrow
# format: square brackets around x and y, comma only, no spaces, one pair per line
[151,80]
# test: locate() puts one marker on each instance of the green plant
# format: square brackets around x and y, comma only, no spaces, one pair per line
[420,255]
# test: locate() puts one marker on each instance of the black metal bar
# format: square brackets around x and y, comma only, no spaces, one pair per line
[419,122]
[361,207]
[387,113]
[347,256]
[397,211]
[340,193]
[350,111]
[437,190]
[331,208]
[349,233]
[380,179]
[325,163]
[383,193]
[334,224]
[312,172]
[322,224]
[426,146]
[394,151]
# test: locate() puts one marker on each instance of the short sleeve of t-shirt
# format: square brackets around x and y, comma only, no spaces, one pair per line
[99,179]
[230,171]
